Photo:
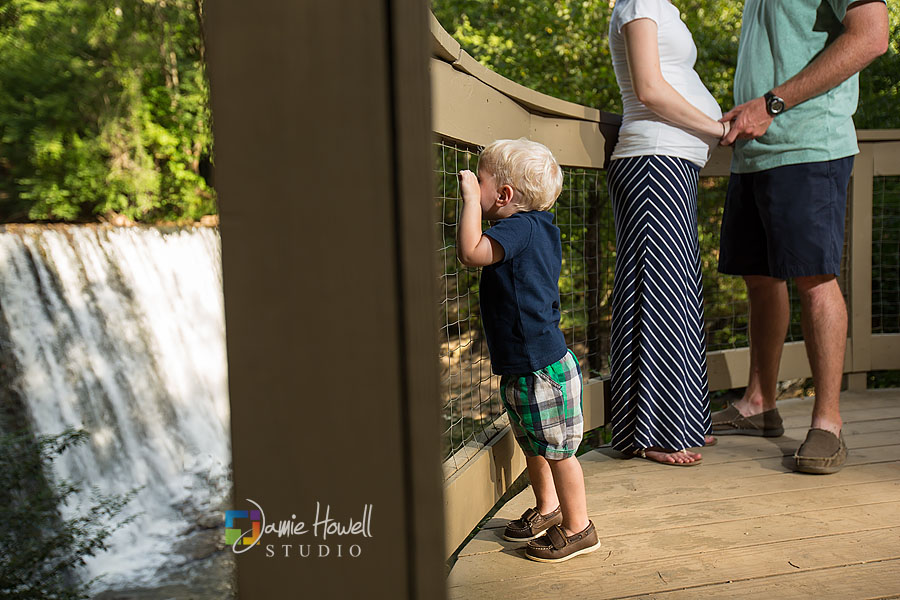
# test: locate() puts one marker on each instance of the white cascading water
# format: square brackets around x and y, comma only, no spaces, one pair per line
[121,331]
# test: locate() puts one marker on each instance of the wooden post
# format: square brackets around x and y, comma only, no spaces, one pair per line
[594,282]
[323,166]
[860,313]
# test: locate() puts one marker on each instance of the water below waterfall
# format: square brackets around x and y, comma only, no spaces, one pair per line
[121,331]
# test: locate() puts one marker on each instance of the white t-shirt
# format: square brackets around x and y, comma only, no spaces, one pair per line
[643,132]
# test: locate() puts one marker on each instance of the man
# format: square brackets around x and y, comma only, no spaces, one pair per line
[796,87]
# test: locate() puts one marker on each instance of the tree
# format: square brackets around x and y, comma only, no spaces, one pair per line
[879,84]
[555,47]
[560,48]
[39,549]
[103,108]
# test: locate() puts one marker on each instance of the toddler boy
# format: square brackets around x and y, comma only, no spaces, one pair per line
[540,380]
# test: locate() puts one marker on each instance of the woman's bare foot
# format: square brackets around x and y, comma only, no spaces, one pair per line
[710,440]
[662,455]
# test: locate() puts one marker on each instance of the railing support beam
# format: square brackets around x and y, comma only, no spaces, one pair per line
[860,313]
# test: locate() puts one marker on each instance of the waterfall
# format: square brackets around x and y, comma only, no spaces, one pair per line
[121,331]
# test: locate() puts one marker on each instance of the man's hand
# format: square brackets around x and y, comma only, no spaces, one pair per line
[865,37]
[469,188]
[749,120]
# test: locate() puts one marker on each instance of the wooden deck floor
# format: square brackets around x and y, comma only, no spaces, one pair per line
[740,525]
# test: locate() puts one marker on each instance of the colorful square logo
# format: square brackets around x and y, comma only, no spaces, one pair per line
[234,533]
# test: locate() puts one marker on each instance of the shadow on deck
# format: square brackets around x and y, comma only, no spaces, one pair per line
[740,525]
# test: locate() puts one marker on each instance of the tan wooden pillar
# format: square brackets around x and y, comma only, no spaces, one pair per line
[323,169]
[860,310]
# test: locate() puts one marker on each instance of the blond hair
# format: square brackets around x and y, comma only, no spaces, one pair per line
[528,167]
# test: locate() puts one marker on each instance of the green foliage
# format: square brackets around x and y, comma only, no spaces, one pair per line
[883,379]
[879,83]
[886,255]
[555,47]
[39,550]
[560,48]
[103,108]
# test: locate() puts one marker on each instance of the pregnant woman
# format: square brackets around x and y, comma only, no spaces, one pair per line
[660,389]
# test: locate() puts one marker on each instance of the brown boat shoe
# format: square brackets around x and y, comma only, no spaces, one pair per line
[531,525]
[556,546]
[821,453]
[731,422]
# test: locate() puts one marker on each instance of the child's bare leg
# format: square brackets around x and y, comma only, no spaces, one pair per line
[569,481]
[542,483]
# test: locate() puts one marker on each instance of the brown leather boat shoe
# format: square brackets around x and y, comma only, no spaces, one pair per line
[731,422]
[821,453]
[556,546]
[531,525]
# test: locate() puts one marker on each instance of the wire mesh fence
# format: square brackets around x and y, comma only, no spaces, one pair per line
[886,255]
[471,407]
[725,305]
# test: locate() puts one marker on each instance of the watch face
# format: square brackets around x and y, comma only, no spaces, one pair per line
[776,105]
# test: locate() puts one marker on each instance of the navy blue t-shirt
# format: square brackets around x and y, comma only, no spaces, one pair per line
[520,295]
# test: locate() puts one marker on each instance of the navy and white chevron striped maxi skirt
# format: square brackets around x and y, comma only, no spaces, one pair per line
[659,382]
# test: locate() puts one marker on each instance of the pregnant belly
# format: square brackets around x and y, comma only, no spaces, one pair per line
[696,93]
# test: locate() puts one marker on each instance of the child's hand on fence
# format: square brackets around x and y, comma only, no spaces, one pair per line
[473,248]
[469,187]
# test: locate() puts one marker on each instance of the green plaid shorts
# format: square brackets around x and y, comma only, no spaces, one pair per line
[544,408]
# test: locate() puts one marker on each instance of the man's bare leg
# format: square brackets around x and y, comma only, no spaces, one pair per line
[825,333]
[769,318]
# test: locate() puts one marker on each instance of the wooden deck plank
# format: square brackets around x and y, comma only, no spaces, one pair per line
[743,513]
[735,451]
[772,489]
[887,418]
[614,488]
[680,516]
[736,534]
[597,576]
[870,580]
[849,401]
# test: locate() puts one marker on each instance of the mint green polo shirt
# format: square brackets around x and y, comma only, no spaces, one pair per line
[778,39]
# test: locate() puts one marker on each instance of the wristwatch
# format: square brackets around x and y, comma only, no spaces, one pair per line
[774,104]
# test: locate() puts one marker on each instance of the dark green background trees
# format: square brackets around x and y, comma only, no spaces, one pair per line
[104,103]
[559,47]
[103,108]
